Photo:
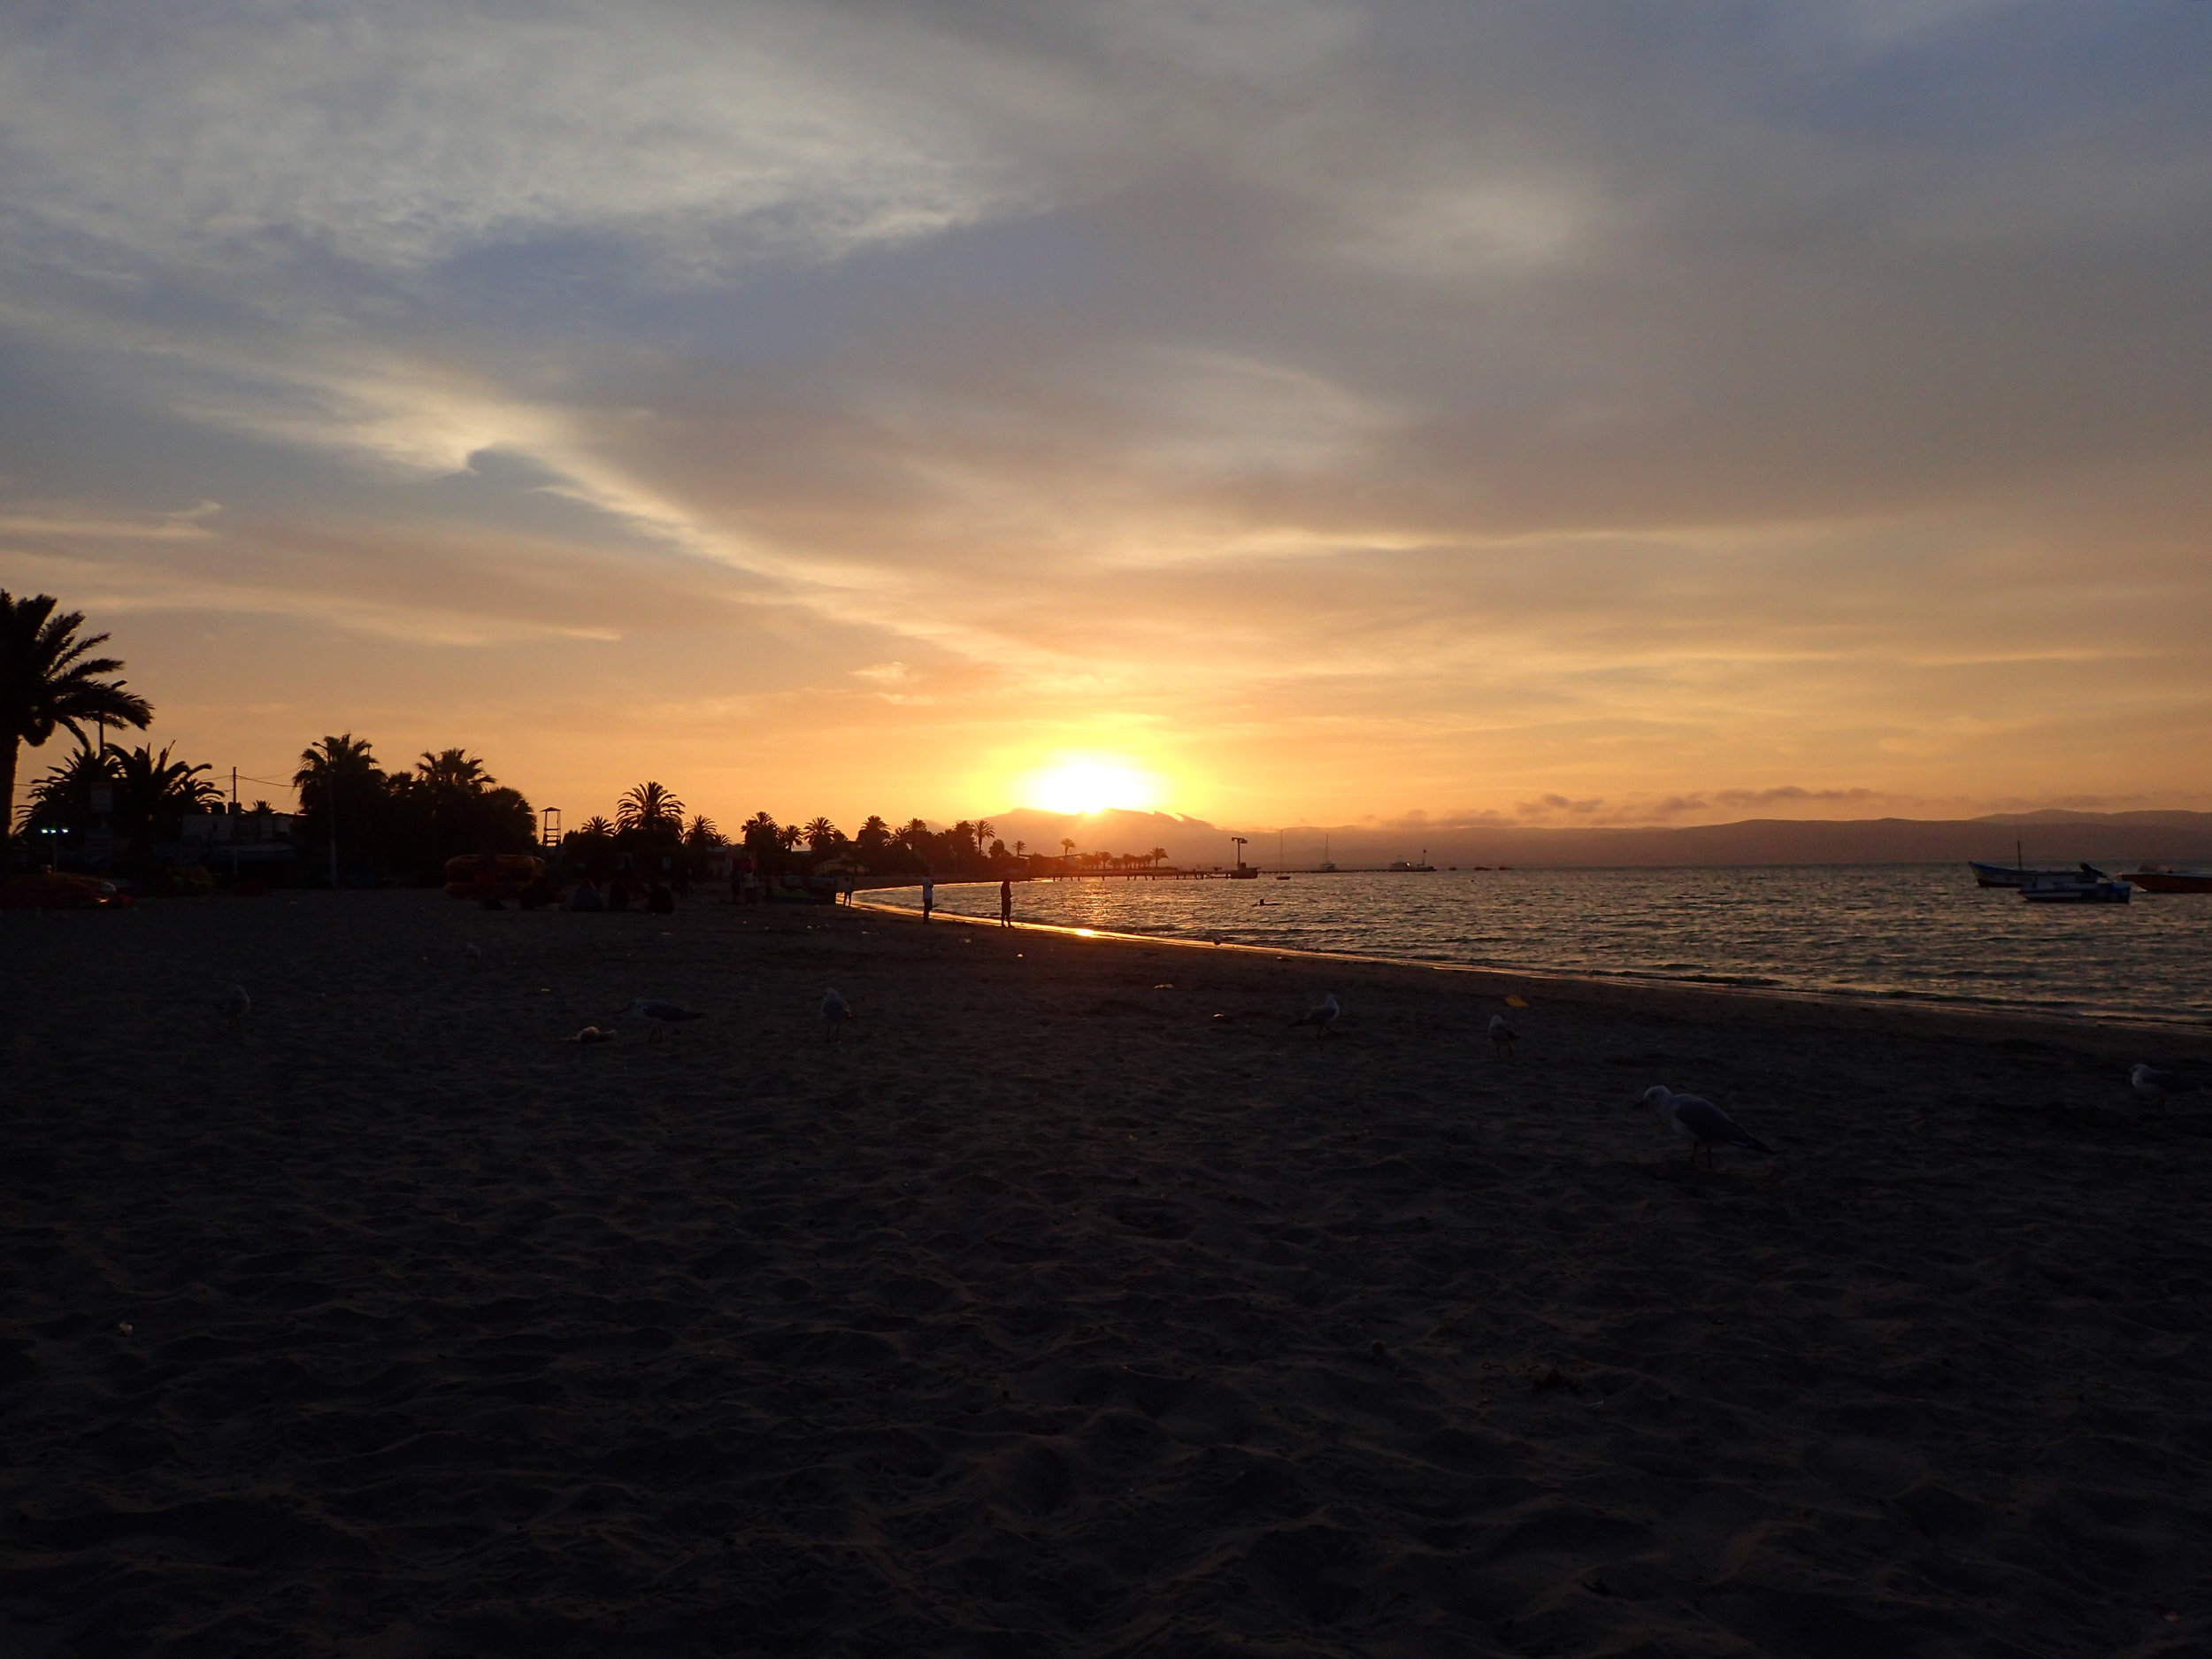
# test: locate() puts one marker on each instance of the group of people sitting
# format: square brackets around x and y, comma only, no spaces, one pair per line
[656,898]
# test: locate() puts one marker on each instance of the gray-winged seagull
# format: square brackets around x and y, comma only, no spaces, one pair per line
[1321,1015]
[1503,1036]
[835,1012]
[1705,1123]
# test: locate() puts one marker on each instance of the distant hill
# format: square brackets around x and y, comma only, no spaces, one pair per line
[2054,837]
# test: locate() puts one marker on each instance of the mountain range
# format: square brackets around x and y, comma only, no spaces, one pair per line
[2054,837]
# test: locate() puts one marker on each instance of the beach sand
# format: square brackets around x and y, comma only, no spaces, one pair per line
[1049,1313]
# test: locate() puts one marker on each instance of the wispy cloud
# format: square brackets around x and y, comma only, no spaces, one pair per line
[1592,414]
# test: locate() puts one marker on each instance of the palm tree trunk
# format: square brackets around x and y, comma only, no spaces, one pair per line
[7,790]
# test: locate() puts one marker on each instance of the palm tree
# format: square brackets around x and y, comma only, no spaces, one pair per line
[762,834]
[48,678]
[341,784]
[649,807]
[595,828]
[703,834]
[984,830]
[1018,848]
[453,771]
[1158,855]
[1067,847]
[821,835]
[62,800]
[153,793]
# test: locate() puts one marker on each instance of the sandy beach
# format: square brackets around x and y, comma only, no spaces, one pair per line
[1073,1303]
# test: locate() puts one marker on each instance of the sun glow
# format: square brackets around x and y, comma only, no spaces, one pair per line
[1087,783]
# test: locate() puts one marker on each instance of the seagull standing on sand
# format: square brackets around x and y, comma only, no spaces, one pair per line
[2154,1085]
[1321,1015]
[233,1005]
[836,1011]
[1503,1036]
[664,1016]
[1705,1123]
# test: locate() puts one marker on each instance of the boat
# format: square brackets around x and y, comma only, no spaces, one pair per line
[1423,867]
[2153,880]
[2086,886]
[2013,875]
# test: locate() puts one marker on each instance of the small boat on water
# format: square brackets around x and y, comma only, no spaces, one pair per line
[2086,886]
[2013,875]
[2153,880]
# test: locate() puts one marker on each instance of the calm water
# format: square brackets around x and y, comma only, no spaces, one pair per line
[1897,931]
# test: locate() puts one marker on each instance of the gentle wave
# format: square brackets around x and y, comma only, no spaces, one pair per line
[1923,933]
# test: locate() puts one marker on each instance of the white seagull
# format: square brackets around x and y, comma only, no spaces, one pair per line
[1503,1036]
[1705,1123]
[664,1016]
[232,1003]
[2154,1085]
[1321,1015]
[836,1011]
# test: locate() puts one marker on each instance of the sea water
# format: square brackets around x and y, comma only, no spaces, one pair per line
[1922,932]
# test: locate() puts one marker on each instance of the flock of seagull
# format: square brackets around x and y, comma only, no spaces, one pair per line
[1704,1125]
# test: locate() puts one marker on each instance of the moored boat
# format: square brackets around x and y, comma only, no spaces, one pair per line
[2013,875]
[2086,886]
[2171,880]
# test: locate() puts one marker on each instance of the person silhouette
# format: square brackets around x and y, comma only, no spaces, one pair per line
[929,897]
[1006,901]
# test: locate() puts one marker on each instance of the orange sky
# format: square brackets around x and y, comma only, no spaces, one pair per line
[1277,413]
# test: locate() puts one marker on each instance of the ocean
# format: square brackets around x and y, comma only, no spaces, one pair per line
[1907,932]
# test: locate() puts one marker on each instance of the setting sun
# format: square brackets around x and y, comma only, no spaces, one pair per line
[1089,784]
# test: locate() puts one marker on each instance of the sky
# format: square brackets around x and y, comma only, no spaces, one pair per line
[1278,412]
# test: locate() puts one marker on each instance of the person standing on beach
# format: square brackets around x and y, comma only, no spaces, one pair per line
[929,897]
[1006,901]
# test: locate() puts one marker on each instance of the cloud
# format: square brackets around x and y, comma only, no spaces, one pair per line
[1587,413]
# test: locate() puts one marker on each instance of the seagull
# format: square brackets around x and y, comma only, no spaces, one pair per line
[1321,1015]
[1705,1123]
[835,1012]
[232,1003]
[2154,1085]
[592,1033]
[664,1016]
[1503,1036]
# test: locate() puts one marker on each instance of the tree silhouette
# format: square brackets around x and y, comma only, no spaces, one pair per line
[821,835]
[1158,855]
[449,804]
[342,790]
[595,828]
[762,833]
[153,793]
[648,808]
[703,836]
[48,678]
[1067,847]
[62,800]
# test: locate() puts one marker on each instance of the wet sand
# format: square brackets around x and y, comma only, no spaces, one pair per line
[1049,1314]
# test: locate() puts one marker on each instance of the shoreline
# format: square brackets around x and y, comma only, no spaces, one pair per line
[1653,991]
